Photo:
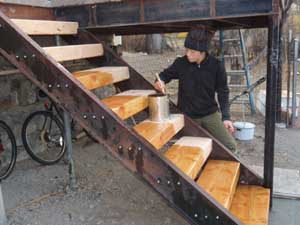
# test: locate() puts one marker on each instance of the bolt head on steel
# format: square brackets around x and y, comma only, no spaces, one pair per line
[178,183]
[130,148]
[33,56]
[206,217]
[25,56]
[66,86]
[85,116]
[120,147]
[94,117]
[58,86]
[17,57]
[102,117]
[217,217]
[168,182]
[196,215]
[139,149]
[49,86]
[158,181]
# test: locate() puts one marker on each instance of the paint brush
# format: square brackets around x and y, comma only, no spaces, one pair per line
[161,83]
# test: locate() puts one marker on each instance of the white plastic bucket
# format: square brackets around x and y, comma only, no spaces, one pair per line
[244,131]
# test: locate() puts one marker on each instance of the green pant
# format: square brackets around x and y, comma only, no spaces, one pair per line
[214,125]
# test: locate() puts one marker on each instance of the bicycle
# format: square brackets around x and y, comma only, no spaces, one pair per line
[8,150]
[43,134]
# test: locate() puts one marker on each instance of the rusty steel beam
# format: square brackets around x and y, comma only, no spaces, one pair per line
[26,12]
[121,141]
[139,16]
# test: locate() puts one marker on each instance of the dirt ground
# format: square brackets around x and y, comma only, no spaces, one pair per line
[108,194]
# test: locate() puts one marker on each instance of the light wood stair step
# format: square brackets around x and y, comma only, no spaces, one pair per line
[46,27]
[158,134]
[251,205]
[73,52]
[189,154]
[103,76]
[219,178]
[129,103]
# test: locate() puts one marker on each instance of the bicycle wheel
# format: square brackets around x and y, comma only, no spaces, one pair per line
[8,150]
[43,137]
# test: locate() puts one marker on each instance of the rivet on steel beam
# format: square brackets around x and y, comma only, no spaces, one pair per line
[17,57]
[120,147]
[178,183]
[217,217]
[196,215]
[168,182]
[102,117]
[66,86]
[25,56]
[139,149]
[58,86]
[129,148]
[85,116]
[206,217]
[158,181]
[33,56]
[94,117]
[49,86]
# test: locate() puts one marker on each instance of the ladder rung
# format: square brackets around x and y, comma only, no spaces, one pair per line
[237,86]
[236,72]
[231,39]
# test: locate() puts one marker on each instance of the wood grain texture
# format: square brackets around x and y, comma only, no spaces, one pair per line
[251,205]
[158,134]
[46,27]
[219,178]
[100,77]
[126,106]
[189,154]
[73,52]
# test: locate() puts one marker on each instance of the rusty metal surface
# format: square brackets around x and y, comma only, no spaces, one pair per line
[126,145]
[26,12]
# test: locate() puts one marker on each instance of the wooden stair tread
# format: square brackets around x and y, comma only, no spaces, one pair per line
[126,106]
[189,154]
[73,52]
[103,76]
[46,27]
[251,205]
[219,178]
[159,134]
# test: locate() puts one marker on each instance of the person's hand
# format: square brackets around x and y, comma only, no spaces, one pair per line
[229,126]
[160,86]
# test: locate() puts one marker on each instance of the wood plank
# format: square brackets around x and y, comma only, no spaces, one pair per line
[103,76]
[158,134]
[125,105]
[219,178]
[189,154]
[251,205]
[46,27]
[73,52]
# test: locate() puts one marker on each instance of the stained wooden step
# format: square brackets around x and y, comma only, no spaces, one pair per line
[129,103]
[73,52]
[158,134]
[219,178]
[189,154]
[251,205]
[103,76]
[46,27]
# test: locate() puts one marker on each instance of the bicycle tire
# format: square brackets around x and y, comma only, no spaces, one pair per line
[13,148]
[27,145]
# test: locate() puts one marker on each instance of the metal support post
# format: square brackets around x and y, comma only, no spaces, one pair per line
[287,119]
[294,87]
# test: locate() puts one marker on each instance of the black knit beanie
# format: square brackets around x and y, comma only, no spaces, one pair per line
[198,39]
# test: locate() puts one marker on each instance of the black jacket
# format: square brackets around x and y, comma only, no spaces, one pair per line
[198,85]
